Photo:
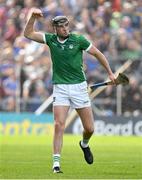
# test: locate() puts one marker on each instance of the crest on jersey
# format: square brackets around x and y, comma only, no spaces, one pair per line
[71,46]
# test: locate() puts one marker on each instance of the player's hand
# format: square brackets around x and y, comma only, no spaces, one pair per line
[36,13]
[112,78]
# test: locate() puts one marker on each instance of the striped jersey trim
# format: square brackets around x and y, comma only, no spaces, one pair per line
[89,47]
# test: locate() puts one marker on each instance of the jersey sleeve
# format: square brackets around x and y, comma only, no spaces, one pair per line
[47,37]
[84,43]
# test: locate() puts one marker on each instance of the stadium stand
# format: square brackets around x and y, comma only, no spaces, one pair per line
[115,27]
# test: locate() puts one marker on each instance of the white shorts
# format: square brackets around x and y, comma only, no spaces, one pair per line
[73,95]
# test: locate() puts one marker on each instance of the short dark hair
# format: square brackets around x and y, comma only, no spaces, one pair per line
[59,20]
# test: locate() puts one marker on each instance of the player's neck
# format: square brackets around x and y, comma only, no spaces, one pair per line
[62,39]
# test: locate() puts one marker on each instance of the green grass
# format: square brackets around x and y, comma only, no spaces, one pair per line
[31,158]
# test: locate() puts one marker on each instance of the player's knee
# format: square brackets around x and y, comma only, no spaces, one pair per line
[59,125]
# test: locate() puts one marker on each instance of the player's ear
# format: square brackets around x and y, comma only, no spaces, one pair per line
[55,30]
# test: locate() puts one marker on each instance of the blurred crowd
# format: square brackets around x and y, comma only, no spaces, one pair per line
[114,27]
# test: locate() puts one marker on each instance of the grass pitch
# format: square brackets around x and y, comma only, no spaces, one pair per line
[30,157]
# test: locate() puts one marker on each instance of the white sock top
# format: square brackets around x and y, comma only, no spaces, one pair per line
[83,144]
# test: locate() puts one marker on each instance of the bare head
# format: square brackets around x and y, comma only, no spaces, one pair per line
[61,26]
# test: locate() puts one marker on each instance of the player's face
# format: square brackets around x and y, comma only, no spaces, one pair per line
[63,30]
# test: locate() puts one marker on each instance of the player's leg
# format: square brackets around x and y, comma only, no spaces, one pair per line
[60,114]
[81,102]
[86,116]
[61,106]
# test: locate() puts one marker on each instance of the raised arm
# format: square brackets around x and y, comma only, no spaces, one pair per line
[29,31]
[102,59]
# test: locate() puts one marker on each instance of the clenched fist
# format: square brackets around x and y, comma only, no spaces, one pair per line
[35,12]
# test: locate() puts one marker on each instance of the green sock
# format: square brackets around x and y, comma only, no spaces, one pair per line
[56,160]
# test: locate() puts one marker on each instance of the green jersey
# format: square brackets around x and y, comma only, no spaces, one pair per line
[67,60]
